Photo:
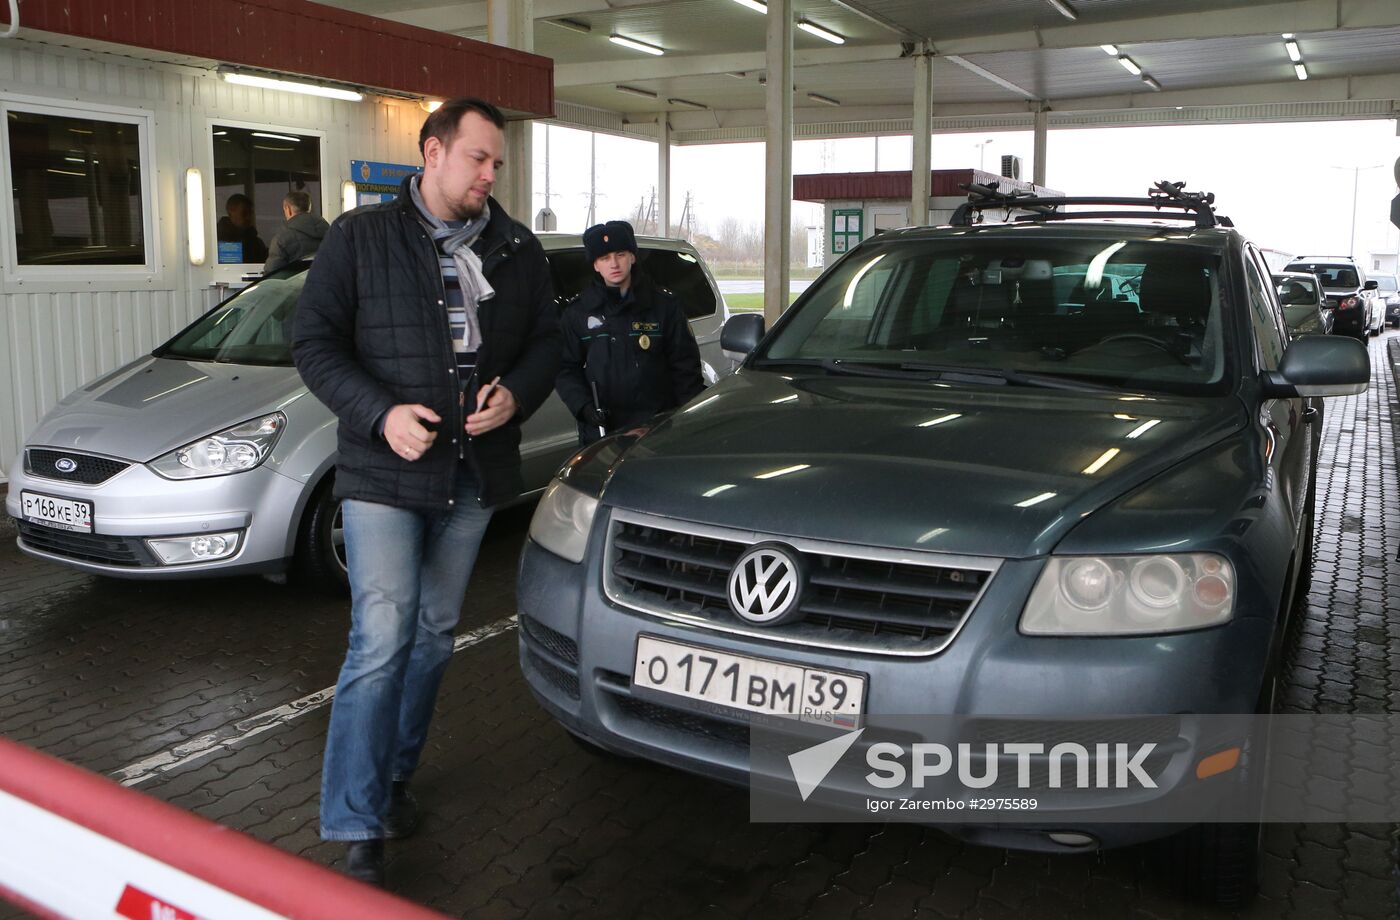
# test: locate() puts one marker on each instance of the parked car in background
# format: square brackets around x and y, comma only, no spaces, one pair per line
[1358,311]
[1305,308]
[1388,290]
[1051,469]
[210,457]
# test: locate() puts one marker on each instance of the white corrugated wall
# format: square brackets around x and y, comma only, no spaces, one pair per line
[56,335]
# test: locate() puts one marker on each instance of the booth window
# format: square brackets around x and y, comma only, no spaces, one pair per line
[76,187]
[254,169]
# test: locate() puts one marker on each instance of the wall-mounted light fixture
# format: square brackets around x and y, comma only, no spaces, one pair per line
[194,215]
[349,196]
[291,86]
[430,105]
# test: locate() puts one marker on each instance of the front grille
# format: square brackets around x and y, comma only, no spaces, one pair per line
[562,680]
[856,598]
[685,721]
[90,469]
[554,642]
[85,547]
[1164,731]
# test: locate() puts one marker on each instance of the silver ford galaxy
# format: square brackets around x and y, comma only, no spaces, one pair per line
[210,457]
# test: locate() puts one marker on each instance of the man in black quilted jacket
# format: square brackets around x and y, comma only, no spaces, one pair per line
[428,326]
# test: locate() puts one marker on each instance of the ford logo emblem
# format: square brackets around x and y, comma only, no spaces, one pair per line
[65,464]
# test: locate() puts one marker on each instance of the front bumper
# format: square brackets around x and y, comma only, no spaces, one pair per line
[577,653]
[137,505]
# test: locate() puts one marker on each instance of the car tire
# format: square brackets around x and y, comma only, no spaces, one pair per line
[1219,863]
[320,559]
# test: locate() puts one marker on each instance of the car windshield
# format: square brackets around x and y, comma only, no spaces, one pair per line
[1332,276]
[1137,314]
[254,327]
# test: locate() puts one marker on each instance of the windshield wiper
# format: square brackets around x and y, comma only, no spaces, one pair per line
[1008,376]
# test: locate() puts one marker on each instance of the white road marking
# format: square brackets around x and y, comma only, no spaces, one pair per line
[230,735]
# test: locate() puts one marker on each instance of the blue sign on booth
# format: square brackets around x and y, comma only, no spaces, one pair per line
[377,182]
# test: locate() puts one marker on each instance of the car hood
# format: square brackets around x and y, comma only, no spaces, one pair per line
[986,470]
[154,405]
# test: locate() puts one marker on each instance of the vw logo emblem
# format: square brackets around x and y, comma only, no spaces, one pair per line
[765,585]
[65,464]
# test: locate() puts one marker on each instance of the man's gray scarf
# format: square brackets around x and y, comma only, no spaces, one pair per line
[458,242]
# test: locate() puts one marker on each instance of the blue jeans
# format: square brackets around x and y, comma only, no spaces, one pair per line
[408,577]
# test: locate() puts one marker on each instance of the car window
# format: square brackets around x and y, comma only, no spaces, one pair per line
[1386,284]
[1137,313]
[1333,276]
[679,272]
[254,327]
[1264,316]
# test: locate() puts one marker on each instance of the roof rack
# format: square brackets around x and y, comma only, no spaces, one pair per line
[1165,198]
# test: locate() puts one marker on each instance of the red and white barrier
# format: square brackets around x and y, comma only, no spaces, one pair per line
[76,845]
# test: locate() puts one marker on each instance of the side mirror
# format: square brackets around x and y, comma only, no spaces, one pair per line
[741,334]
[1321,365]
[1370,285]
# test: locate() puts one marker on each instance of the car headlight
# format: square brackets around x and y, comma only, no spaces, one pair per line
[1129,595]
[232,450]
[562,521]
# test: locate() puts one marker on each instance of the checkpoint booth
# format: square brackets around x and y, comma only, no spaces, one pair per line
[860,205]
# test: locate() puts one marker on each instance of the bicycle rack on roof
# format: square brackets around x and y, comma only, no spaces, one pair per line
[1166,199]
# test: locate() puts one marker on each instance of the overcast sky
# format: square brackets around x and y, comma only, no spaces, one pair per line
[1287,186]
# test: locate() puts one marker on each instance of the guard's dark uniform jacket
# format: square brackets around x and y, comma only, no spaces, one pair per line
[637,349]
[372,332]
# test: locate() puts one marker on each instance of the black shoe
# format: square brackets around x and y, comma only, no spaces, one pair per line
[402,819]
[364,861]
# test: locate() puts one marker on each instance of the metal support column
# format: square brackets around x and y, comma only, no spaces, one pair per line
[1042,128]
[777,222]
[663,175]
[511,24]
[923,139]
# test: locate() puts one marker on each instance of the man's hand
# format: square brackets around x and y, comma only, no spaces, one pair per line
[404,433]
[498,409]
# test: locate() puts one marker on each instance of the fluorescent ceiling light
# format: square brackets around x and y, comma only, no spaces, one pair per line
[276,137]
[636,45]
[1301,71]
[1151,82]
[1100,463]
[292,86]
[755,5]
[940,420]
[634,91]
[1063,8]
[711,493]
[1130,66]
[1287,36]
[573,25]
[1111,50]
[1294,54]
[738,74]
[819,32]
[824,100]
[686,103]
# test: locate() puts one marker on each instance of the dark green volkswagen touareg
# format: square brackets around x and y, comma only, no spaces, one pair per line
[1049,467]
